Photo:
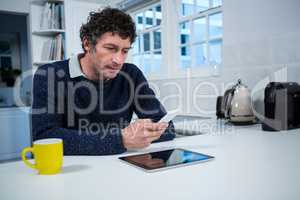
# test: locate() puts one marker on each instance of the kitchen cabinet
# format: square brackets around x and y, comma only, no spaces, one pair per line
[15,131]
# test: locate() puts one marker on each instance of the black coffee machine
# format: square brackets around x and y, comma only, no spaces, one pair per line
[282,106]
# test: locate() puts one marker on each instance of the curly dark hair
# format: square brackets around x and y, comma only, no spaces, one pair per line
[107,20]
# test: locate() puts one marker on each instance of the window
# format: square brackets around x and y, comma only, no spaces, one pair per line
[200,33]
[10,59]
[147,52]
[10,51]
[188,42]
[5,55]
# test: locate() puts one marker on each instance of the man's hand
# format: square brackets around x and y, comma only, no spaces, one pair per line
[141,133]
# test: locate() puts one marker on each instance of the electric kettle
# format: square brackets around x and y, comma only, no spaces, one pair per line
[236,104]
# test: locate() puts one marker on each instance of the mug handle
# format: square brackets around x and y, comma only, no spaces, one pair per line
[24,152]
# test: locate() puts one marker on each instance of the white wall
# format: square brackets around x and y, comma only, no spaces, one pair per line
[261,32]
[19,6]
[260,37]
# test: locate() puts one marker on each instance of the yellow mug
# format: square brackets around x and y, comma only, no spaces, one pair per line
[48,155]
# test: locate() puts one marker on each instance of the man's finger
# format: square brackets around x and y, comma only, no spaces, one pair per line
[149,134]
[156,126]
[151,139]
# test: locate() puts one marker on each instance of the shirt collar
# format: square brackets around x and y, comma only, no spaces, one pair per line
[74,66]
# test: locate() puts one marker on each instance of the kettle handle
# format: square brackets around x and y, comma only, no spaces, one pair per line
[225,100]
[228,103]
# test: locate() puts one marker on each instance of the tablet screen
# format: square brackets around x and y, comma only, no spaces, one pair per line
[166,158]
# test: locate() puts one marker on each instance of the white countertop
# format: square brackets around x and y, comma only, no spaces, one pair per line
[14,108]
[249,164]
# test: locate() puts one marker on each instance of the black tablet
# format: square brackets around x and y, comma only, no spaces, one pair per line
[156,161]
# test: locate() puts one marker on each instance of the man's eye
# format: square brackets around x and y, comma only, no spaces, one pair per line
[110,48]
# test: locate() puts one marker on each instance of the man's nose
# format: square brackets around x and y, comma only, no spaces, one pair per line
[118,58]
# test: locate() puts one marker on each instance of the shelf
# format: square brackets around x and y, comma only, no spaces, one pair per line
[41,2]
[54,1]
[48,32]
[44,62]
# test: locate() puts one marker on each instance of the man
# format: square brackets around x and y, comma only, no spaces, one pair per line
[89,100]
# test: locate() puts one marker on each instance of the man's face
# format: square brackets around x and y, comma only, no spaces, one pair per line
[109,54]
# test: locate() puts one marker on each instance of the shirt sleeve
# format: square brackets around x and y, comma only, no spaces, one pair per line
[48,123]
[146,105]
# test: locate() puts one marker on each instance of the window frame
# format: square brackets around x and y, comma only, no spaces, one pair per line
[150,31]
[171,18]
[13,39]
[190,19]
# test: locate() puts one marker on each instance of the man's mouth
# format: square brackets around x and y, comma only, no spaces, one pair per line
[113,67]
